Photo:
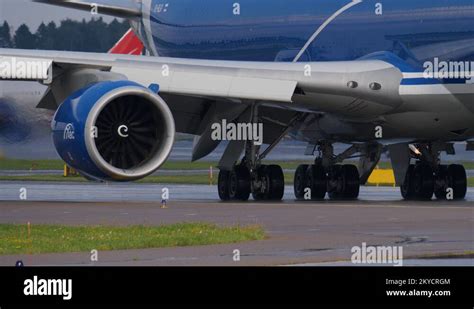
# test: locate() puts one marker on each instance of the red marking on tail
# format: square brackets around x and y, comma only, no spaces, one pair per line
[129,44]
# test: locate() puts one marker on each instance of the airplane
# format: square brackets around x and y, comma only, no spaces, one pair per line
[386,75]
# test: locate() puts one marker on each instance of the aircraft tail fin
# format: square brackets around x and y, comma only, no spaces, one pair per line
[129,44]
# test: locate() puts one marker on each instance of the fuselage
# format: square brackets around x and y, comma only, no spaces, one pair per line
[333,30]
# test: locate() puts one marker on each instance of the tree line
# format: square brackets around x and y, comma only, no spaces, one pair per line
[94,35]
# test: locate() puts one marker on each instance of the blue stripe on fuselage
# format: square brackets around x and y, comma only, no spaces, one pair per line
[434,81]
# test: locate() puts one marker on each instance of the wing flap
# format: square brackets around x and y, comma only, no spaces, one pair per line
[228,86]
[263,89]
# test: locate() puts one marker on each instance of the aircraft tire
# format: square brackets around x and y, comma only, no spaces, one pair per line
[316,181]
[239,183]
[457,180]
[300,181]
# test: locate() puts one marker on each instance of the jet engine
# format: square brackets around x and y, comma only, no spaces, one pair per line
[114,130]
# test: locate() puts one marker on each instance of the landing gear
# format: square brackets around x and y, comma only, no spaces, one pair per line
[457,180]
[343,182]
[239,183]
[423,181]
[428,177]
[235,184]
[264,182]
[407,188]
[338,181]
[312,182]
[316,181]
[299,181]
[269,183]
[451,182]
[223,185]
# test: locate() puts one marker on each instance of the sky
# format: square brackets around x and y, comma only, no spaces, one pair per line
[17,12]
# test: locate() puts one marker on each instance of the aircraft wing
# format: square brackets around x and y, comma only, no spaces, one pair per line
[373,81]
[118,8]
[199,92]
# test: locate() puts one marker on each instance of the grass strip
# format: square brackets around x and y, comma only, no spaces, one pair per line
[21,239]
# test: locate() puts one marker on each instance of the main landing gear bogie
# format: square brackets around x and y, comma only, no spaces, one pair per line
[265,183]
[422,181]
[340,182]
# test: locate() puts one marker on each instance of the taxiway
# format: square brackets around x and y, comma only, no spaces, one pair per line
[297,232]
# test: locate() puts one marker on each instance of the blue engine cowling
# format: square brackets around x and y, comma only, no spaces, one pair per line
[114,130]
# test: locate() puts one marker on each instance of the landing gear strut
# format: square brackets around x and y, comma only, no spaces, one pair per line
[428,177]
[264,182]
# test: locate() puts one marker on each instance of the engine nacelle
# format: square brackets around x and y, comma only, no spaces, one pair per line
[114,130]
